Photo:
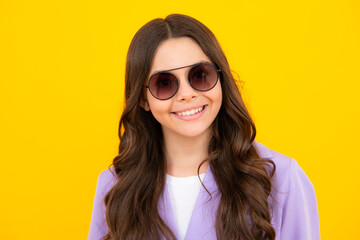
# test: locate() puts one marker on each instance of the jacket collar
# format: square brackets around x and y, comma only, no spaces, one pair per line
[202,221]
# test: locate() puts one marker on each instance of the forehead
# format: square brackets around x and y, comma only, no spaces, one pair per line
[177,52]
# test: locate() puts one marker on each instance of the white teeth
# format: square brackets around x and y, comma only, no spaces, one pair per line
[191,112]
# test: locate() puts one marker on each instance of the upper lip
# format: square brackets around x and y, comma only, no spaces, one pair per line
[190,108]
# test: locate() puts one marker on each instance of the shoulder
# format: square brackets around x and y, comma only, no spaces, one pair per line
[106,180]
[279,159]
[286,167]
[292,200]
[108,174]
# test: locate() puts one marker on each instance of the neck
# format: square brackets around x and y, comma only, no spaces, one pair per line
[183,155]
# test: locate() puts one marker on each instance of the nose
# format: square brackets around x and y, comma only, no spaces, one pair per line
[185,91]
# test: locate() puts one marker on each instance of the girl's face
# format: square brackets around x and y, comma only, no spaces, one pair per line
[175,53]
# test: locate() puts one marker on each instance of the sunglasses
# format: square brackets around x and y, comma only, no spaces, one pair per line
[202,77]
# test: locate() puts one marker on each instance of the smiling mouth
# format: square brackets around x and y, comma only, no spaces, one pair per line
[191,112]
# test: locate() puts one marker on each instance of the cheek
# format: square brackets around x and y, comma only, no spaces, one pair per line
[159,109]
[217,95]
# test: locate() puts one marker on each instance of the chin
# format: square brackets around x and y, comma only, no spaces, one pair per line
[195,133]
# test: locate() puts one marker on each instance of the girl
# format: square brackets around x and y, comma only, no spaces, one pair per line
[188,166]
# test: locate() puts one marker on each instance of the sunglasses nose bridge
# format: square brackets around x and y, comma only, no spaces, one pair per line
[185,90]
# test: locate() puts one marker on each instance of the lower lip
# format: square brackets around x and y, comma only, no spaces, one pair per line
[192,117]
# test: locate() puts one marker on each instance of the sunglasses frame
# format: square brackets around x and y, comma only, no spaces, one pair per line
[218,70]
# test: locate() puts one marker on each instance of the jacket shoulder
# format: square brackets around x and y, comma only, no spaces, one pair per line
[283,164]
[293,200]
[106,180]
[281,161]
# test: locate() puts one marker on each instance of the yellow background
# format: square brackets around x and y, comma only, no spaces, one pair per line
[61,85]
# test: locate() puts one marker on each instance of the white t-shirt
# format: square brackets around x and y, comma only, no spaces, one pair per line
[183,192]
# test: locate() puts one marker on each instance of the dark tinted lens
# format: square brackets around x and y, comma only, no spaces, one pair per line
[203,77]
[163,85]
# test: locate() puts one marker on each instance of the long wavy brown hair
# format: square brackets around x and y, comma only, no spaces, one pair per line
[243,178]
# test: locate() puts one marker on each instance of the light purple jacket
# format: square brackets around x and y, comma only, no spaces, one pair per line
[292,202]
